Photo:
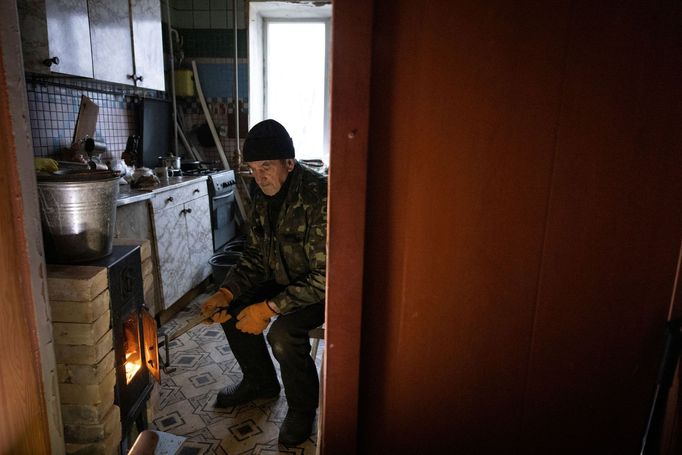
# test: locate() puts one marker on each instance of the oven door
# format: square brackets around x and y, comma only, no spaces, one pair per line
[222,219]
[151,347]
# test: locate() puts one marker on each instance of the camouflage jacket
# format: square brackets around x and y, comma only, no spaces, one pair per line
[295,256]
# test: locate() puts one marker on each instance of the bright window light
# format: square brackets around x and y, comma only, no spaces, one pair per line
[295,83]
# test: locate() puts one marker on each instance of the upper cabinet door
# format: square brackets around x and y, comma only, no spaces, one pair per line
[148,43]
[112,50]
[56,36]
[69,37]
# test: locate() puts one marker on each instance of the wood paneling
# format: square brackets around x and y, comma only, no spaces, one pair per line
[23,420]
[523,222]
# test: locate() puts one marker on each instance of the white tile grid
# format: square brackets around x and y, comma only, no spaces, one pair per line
[219,15]
[182,18]
[181,4]
[218,19]
[188,396]
[201,5]
[202,19]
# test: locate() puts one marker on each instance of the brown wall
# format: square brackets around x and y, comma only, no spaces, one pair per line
[523,223]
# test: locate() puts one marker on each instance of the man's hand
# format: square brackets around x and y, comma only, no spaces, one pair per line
[220,299]
[255,318]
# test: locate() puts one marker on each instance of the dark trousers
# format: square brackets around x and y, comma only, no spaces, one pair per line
[290,343]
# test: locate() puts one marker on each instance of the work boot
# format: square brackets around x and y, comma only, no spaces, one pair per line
[244,392]
[297,427]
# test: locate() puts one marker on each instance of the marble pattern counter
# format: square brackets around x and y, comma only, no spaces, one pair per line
[128,195]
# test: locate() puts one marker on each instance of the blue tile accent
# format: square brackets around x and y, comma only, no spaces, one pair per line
[217,79]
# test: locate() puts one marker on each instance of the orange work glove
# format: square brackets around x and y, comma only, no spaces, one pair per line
[255,318]
[220,299]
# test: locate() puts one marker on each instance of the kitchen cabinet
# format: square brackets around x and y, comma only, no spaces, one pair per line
[112,47]
[147,44]
[127,46]
[116,41]
[184,242]
[55,36]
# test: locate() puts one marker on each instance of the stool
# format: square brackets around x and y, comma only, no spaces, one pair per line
[316,335]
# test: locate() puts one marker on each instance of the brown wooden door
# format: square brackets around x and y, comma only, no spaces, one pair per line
[522,225]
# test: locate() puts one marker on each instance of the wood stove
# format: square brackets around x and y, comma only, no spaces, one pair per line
[135,340]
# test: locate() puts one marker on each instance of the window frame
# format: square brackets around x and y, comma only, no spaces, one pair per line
[262,12]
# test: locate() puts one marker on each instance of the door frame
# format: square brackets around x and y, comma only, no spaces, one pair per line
[31,421]
[350,90]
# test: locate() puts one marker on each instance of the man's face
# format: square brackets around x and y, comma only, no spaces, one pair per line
[271,174]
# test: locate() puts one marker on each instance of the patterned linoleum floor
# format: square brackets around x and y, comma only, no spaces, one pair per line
[203,365]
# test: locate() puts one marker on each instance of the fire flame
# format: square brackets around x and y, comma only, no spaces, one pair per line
[132,366]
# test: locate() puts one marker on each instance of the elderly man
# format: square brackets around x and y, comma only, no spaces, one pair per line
[280,278]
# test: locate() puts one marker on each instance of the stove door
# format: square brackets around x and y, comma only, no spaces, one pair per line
[223,219]
[151,347]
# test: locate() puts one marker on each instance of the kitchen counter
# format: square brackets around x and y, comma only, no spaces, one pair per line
[128,195]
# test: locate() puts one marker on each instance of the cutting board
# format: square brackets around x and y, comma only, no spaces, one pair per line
[87,119]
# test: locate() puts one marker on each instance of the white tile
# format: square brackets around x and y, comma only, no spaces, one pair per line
[219,19]
[240,19]
[202,19]
[182,19]
[201,5]
[182,4]
[221,4]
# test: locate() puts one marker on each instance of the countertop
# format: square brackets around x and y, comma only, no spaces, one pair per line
[128,195]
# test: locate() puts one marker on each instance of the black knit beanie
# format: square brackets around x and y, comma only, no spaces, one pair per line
[267,140]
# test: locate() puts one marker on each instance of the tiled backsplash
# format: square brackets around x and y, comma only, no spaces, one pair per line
[54,102]
[206,14]
[222,114]
[53,108]
[215,43]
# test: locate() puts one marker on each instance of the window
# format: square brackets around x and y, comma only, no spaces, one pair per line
[288,72]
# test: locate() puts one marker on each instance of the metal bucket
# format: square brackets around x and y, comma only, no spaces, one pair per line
[78,218]
[221,264]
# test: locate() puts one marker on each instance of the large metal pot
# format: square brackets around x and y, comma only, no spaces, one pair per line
[172,162]
[78,216]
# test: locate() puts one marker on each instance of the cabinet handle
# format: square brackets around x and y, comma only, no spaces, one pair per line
[139,78]
[51,61]
[188,210]
[170,199]
[197,190]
